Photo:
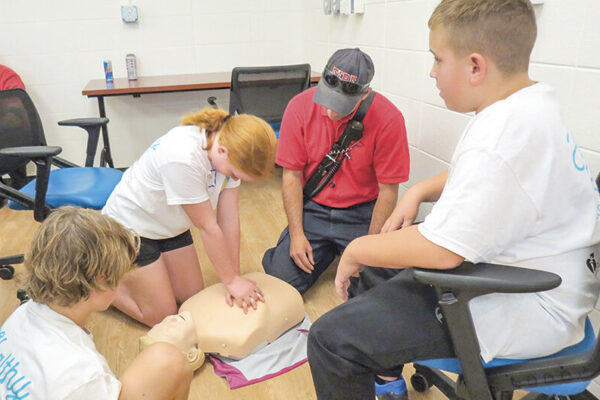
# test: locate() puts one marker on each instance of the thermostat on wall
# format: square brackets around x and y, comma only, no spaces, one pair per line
[129,13]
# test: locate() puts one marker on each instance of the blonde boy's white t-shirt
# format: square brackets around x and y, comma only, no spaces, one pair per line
[519,193]
[46,356]
[174,170]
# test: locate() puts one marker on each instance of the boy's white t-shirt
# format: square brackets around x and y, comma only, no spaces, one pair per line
[45,355]
[174,170]
[519,193]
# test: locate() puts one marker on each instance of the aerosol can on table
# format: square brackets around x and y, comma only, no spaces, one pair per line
[131,67]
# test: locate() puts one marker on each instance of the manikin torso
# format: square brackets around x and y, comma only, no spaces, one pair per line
[206,324]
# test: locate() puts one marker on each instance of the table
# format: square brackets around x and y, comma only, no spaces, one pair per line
[100,89]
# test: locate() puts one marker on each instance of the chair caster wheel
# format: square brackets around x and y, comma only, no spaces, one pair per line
[22,296]
[419,382]
[7,272]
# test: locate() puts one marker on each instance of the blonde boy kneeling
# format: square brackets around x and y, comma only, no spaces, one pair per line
[76,260]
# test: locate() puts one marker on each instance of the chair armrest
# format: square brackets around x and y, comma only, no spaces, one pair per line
[489,278]
[456,287]
[42,157]
[31,152]
[92,126]
[84,122]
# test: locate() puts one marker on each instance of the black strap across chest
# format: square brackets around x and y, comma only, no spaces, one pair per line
[332,161]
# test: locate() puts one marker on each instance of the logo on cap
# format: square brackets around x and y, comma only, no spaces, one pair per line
[344,76]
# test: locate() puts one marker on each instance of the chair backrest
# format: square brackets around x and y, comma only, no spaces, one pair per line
[266,91]
[20,125]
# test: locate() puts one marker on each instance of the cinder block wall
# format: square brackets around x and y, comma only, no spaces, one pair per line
[58,46]
[395,34]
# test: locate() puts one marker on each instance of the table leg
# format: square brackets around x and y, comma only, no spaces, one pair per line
[105,155]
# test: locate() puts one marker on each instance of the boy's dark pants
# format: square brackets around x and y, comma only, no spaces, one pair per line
[375,333]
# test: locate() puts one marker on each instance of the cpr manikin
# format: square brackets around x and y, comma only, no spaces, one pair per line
[206,324]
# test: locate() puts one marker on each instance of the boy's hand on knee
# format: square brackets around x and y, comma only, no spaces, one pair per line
[341,287]
[403,215]
[346,269]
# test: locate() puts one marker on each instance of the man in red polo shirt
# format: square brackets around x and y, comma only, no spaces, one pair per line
[9,79]
[362,193]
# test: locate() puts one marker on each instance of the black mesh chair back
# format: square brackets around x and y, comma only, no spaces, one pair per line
[266,91]
[20,125]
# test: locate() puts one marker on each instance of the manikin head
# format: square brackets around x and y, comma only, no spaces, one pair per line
[180,331]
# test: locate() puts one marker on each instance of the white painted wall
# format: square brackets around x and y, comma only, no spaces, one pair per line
[57,46]
[395,34]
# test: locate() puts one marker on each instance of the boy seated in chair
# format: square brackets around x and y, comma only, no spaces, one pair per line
[517,192]
[76,260]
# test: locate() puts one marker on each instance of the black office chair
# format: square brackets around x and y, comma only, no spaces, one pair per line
[558,376]
[22,140]
[266,91]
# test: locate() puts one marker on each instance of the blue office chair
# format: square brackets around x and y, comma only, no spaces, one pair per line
[557,376]
[22,140]
[266,91]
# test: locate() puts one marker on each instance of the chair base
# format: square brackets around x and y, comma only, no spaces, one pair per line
[7,271]
[538,396]
[425,377]
[22,296]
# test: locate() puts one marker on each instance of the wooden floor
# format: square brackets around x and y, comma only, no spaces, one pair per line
[115,335]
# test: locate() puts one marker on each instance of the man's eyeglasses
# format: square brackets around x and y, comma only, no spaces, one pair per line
[351,88]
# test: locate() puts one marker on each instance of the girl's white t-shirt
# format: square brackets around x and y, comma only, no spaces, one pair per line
[520,193]
[46,356]
[174,170]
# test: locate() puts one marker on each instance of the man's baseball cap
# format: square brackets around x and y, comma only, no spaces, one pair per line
[344,81]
